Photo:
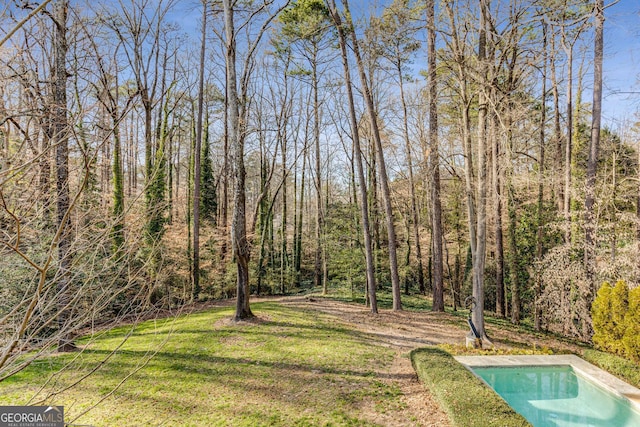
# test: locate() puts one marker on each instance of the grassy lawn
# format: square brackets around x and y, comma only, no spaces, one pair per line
[292,368]
[622,368]
[413,302]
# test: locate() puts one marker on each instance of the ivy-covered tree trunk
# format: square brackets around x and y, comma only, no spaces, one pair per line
[157,189]
[240,244]
[60,138]
[434,165]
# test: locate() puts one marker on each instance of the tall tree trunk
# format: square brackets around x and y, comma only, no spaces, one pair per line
[224,214]
[414,204]
[537,315]
[407,279]
[61,142]
[240,244]
[512,212]
[568,146]
[196,161]
[148,156]
[478,258]
[44,175]
[118,183]
[465,125]
[282,135]
[497,188]
[386,192]
[170,166]
[299,203]
[592,161]
[297,256]
[557,130]
[283,226]
[512,207]
[317,272]
[434,164]
[374,209]
[189,198]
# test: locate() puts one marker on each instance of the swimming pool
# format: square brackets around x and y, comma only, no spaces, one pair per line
[554,394]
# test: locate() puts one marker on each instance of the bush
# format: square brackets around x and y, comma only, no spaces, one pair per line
[616,320]
[600,310]
[465,398]
[631,337]
[619,310]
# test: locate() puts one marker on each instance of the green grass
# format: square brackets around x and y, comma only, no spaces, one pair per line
[616,365]
[293,368]
[413,302]
[467,401]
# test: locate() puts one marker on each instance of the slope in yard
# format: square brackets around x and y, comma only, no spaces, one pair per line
[297,364]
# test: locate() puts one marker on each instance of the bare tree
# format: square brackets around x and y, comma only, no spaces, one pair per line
[541,176]
[357,154]
[479,252]
[594,145]
[197,152]
[236,113]
[60,133]
[384,178]
[434,163]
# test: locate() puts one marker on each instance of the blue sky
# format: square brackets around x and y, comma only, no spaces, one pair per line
[621,63]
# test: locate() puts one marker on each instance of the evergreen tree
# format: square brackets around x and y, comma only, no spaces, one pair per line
[208,188]
[631,337]
[619,308]
[600,311]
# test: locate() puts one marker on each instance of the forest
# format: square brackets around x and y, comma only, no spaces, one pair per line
[161,153]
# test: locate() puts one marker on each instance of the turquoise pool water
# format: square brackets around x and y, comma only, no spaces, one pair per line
[557,396]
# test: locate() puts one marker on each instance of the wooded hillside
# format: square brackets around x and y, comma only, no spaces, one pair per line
[154,153]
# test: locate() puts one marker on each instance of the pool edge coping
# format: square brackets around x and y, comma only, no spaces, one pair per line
[586,369]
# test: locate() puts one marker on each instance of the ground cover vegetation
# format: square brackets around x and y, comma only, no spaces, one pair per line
[290,367]
[301,361]
[459,391]
[434,148]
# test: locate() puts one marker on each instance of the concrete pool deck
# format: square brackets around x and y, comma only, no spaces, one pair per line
[579,365]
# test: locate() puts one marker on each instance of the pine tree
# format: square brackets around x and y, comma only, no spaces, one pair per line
[208,188]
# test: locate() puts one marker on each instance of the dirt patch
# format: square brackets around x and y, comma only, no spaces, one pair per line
[251,321]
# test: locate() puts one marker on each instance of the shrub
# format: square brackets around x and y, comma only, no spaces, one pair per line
[631,338]
[600,311]
[465,398]
[619,309]
[616,320]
